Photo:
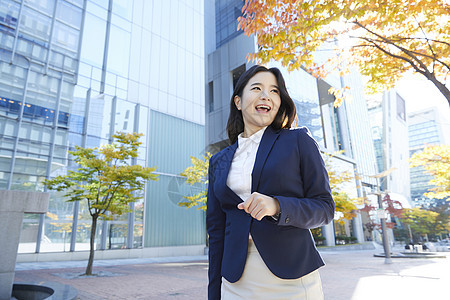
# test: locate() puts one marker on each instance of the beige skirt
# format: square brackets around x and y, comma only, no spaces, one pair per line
[258,282]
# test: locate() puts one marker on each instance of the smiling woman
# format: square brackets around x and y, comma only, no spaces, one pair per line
[259,102]
[265,192]
[260,86]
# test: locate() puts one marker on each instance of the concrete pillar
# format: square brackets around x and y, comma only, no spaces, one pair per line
[13,205]
[328,233]
[358,230]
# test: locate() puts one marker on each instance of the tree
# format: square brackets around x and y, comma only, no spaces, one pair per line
[106,180]
[436,161]
[197,174]
[383,39]
[423,222]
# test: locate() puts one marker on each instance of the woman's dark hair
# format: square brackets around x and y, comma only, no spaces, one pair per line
[286,113]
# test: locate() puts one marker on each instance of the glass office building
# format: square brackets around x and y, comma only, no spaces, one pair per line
[72,73]
[425,129]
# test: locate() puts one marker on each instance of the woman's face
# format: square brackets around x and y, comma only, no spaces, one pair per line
[259,103]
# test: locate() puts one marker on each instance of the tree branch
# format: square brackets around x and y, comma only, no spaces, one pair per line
[395,56]
[406,51]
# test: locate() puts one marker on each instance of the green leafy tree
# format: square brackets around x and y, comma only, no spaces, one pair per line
[383,39]
[106,180]
[436,161]
[423,222]
[197,174]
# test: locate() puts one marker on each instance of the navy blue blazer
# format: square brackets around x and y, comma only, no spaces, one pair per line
[290,168]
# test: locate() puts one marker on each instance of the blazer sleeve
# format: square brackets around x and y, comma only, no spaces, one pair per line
[215,225]
[317,207]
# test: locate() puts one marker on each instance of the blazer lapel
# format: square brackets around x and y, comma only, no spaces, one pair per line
[224,165]
[266,144]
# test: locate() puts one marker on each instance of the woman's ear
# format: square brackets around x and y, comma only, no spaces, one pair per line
[237,102]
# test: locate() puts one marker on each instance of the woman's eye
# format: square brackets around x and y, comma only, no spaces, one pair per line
[256,88]
[276,91]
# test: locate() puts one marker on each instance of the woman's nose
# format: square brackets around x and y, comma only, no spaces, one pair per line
[264,95]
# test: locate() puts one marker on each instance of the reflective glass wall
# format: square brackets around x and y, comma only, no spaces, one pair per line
[72,73]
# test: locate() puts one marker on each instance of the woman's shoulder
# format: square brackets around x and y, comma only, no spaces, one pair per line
[220,154]
[302,135]
[298,132]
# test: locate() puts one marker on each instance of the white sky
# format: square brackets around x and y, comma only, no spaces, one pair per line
[420,93]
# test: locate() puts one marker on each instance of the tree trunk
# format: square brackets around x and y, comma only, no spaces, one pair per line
[441,87]
[92,244]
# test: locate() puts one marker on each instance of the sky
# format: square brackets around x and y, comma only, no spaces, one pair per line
[420,93]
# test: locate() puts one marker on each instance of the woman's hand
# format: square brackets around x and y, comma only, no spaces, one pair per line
[259,206]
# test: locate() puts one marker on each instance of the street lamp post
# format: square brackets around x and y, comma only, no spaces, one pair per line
[387,251]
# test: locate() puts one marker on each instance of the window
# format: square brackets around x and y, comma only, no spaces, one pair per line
[401,112]
[211,96]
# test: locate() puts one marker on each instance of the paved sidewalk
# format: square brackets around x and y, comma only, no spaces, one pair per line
[348,275]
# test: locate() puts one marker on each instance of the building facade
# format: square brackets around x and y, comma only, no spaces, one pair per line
[72,73]
[387,115]
[425,128]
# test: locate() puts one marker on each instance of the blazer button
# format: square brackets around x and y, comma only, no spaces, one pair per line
[287,220]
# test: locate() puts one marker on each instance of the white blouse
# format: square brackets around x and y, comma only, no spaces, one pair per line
[240,175]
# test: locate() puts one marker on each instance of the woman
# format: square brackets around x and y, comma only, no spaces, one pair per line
[265,192]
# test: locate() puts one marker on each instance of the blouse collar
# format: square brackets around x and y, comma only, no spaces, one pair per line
[256,137]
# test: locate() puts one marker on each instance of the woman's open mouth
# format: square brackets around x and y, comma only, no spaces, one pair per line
[263,108]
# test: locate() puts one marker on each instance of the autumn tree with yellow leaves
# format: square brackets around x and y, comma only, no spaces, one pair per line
[383,39]
[106,180]
[436,161]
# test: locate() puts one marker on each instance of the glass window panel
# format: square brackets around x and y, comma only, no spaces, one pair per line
[147,21]
[9,12]
[56,59]
[65,36]
[156,17]
[61,137]
[9,128]
[35,24]
[42,5]
[164,62]
[142,59]
[76,2]
[74,140]
[123,8]
[93,40]
[182,25]
[24,47]
[69,13]
[117,233]
[154,61]
[99,116]
[58,224]
[102,3]
[92,141]
[190,33]
[138,223]
[119,51]
[138,10]
[165,20]
[143,120]
[39,53]
[67,89]
[84,229]
[7,41]
[125,116]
